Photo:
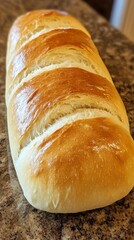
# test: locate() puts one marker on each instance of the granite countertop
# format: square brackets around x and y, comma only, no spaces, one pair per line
[18,220]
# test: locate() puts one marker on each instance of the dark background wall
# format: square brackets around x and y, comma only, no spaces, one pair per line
[104,7]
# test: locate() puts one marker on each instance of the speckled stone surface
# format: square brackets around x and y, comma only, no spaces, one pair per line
[18,220]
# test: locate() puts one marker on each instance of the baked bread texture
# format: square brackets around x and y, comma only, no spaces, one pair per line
[68,128]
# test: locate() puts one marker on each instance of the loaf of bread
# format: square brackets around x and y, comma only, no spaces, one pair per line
[68,128]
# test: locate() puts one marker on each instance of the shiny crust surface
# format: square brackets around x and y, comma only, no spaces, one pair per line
[33,52]
[32,22]
[86,163]
[36,48]
[46,90]
[68,128]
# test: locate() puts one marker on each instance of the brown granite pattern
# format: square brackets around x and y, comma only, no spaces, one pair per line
[18,220]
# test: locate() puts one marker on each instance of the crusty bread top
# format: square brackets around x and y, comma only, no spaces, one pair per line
[36,54]
[51,62]
[43,34]
[84,165]
[36,23]
[68,127]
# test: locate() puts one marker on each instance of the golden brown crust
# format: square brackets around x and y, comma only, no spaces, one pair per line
[84,165]
[45,91]
[68,128]
[35,49]
[32,22]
